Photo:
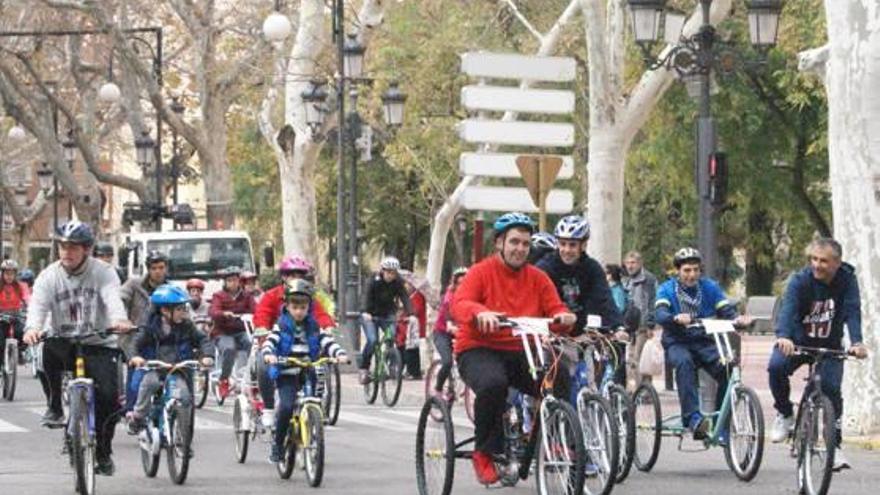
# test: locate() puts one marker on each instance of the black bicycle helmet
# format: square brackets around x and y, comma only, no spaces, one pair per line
[103,249]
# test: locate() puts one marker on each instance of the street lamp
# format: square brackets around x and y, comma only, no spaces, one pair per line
[694,59]
[178,109]
[109,92]
[44,177]
[69,150]
[353,57]
[277,26]
[314,98]
[145,148]
[393,100]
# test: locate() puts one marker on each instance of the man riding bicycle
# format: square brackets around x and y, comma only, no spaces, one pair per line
[227,305]
[819,301]
[490,358]
[384,294]
[82,294]
[682,300]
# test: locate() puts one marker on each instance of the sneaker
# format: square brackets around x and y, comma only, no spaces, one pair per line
[275,455]
[699,426]
[52,419]
[104,466]
[364,377]
[782,427]
[484,467]
[223,387]
[268,418]
[840,462]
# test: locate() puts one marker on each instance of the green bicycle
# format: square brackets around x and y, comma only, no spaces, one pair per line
[738,426]
[386,369]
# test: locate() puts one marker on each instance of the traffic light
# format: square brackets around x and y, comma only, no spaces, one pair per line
[718,178]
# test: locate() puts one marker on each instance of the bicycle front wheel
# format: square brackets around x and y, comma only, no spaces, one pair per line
[623,412]
[148,445]
[200,386]
[371,388]
[313,445]
[601,443]
[330,401]
[561,453]
[393,379]
[180,430]
[745,427]
[240,431]
[288,456]
[648,427]
[816,442]
[10,365]
[435,449]
[82,445]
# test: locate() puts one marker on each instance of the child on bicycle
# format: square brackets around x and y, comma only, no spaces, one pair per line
[444,333]
[295,335]
[170,336]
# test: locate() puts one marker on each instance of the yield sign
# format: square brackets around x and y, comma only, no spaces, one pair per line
[539,172]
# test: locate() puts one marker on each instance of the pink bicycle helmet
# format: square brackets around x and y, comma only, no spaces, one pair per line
[295,263]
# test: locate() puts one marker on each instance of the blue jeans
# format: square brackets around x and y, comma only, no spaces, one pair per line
[781,368]
[132,385]
[287,386]
[686,358]
[371,327]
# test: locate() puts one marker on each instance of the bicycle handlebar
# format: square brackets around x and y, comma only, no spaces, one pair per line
[156,364]
[292,362]
[822,352]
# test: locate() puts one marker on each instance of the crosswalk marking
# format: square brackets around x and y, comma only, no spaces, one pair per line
[385,424]
[6,427]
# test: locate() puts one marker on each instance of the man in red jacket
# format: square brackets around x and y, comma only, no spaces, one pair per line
[227,306]
[490,358]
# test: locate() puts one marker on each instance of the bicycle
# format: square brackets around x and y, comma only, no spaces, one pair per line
[201,378]
[455,388]
[814,438]
[306,430]
[386,368]
[557,436]
[80,432]
[737,426]
[9,370]
[330,383]
[170,424]
[248,406]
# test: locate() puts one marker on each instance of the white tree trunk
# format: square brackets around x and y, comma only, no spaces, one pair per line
[446,214]
[852,76]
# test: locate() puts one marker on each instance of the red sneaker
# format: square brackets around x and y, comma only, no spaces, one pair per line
[484,467]
[223,387]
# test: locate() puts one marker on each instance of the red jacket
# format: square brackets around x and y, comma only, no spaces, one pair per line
[491,285]
[269,309]
[14,296]
[419,307]
[240,303]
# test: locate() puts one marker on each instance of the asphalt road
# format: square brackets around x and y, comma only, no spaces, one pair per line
[370,451]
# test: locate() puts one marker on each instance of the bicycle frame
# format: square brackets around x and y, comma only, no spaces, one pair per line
[385,336]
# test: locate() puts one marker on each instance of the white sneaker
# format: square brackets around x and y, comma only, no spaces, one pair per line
[268,418]
[840,462]
[782,427]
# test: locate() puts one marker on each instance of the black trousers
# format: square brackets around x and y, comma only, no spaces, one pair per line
[101,367]
[443,343]
[489,373]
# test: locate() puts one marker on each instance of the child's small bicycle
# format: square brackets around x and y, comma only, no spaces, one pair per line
[306,430]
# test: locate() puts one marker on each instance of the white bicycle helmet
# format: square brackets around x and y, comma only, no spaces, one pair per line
[544,240]
[573,227]
[10,265]
[390,263]
[685,255]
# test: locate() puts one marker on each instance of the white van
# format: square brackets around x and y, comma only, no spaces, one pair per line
[191,254]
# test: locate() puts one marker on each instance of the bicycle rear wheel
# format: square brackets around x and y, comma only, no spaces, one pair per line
[240,431]
[180,431]
[745,442]
[648,427]
[82,445]
[816,438]
[330,401]
[313,450]
[623,412]
[601,443]
[288,456]
[561,453]
[393,380]
[435,449]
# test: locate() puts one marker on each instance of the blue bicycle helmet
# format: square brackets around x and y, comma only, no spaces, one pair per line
[573,227]
[76,232]
[26,275]
[169,295]
[513,219]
